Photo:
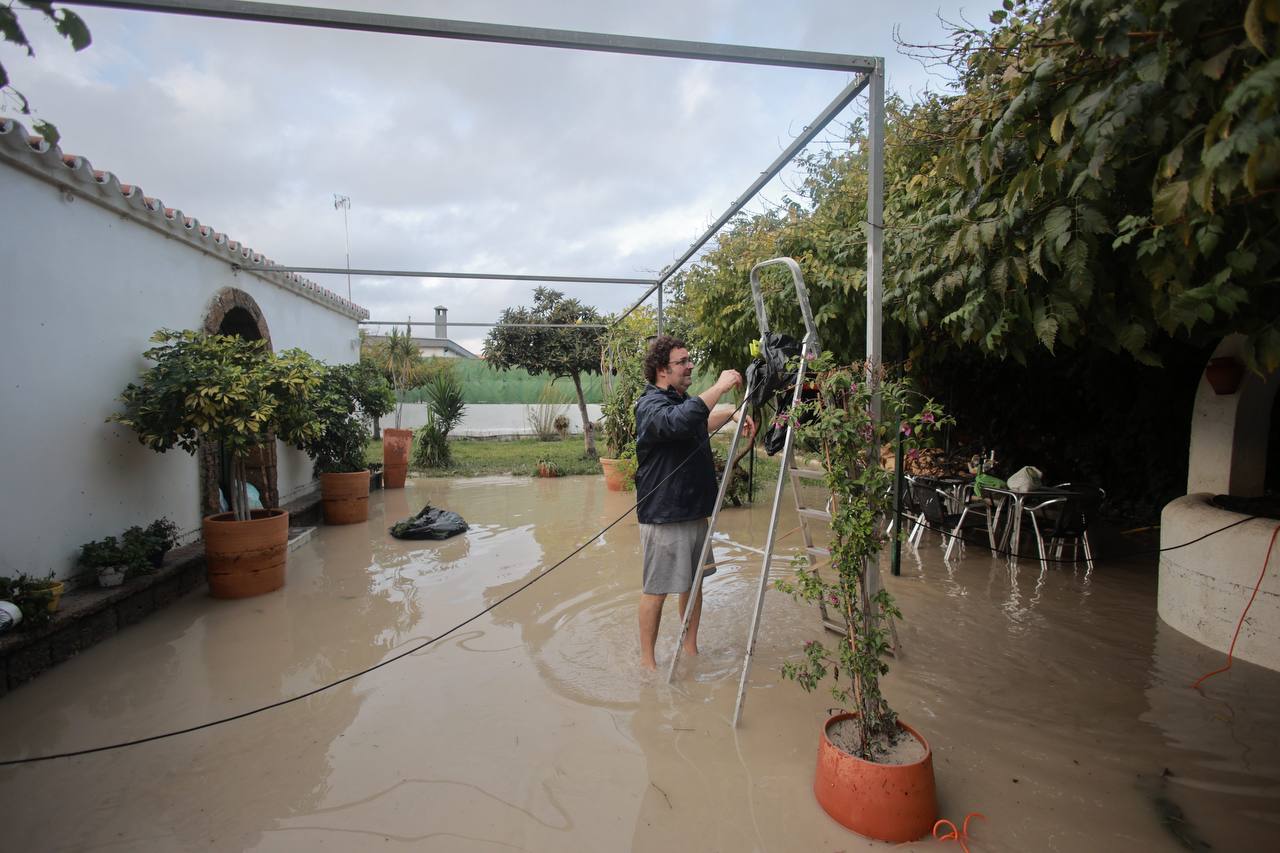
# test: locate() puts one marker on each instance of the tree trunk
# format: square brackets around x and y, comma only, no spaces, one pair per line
[377,430]
[587,432]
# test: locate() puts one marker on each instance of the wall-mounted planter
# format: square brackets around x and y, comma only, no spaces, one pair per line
[1224,375]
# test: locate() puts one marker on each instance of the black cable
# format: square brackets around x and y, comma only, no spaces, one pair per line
[207,725]
[1125,555]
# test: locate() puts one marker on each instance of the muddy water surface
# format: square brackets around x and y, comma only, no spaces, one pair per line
[1056,704]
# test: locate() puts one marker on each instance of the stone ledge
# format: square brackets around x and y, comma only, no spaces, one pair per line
[89,614]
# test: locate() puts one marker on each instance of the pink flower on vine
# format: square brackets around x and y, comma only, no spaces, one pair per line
[809,644]
[834,599]
[906,428]
[927,417]
[913,455]
[810,356]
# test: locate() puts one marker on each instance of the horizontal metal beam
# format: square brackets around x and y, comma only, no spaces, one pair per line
[378,22]
[582,279]
[815,127]
[488,325]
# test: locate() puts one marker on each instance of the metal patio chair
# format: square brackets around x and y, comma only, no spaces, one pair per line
[1062,520]
[934,501]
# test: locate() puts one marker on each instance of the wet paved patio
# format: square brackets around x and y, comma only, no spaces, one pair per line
[1056,705]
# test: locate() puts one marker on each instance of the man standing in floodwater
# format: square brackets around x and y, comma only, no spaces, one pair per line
[675,499]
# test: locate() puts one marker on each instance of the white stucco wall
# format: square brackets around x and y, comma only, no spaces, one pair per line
[85,285]
[1205,587]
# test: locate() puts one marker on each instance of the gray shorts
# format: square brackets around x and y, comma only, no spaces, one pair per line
[671,552]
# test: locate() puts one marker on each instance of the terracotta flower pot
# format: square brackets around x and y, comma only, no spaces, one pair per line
[396,444]
[345,497]
[613,479]
[889,802]
[246,558]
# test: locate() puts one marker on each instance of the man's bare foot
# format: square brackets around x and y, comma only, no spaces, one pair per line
[691,651]
[650,664]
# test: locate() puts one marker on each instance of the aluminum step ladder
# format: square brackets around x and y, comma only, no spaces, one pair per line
[808,515]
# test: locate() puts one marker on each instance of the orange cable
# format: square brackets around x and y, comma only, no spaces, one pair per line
[960,835]
[1240,624]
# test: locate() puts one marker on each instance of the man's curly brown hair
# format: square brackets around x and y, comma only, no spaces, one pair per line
[659,355]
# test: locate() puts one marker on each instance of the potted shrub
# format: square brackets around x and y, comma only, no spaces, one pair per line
[857,780]
[398,356]
[224,388]
[547,468]
[348,394]
[622,366]
[137,551]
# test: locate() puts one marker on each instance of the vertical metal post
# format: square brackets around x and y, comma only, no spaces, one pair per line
[659,308]
[875,230]
[875,272]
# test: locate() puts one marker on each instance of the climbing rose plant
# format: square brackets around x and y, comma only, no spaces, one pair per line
[838,425]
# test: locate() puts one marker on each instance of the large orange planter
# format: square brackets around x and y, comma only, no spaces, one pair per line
[395,456]
[345,497]
[246,558]
[613,479]
[889,802]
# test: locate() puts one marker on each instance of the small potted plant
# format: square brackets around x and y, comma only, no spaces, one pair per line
[860,781]
[235,392]
[162,535]
[36,598]
[106,558]
[547,468]
[348,395]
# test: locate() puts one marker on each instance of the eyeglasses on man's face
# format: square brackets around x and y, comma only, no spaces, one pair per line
[684,362]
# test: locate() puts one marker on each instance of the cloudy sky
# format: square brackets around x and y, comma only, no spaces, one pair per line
[459,155]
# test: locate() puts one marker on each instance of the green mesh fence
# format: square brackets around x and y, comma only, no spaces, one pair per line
[483,384]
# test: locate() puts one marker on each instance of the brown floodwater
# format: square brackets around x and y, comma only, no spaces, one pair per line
[1056,704]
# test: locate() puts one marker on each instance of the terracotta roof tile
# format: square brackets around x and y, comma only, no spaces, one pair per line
[75,173]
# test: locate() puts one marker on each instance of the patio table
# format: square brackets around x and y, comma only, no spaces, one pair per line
[1010,540]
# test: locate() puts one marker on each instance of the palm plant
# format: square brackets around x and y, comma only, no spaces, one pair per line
[398,356]
[445,406]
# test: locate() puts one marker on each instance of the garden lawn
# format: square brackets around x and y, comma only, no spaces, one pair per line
[479,458]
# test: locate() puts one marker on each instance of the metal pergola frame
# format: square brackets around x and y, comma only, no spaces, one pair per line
[870,71]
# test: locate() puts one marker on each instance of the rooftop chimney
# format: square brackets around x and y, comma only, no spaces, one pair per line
[442,322]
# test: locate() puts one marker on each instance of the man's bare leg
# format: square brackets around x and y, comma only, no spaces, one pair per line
[691,638]
[650,618]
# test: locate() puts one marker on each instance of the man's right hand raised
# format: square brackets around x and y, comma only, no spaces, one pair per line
[729,379]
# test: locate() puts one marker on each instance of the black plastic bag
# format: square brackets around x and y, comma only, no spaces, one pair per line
[768,373]
[430,523]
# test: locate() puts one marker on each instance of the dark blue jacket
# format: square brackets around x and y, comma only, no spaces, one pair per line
[671,427]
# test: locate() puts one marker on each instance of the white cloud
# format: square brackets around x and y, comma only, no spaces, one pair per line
[456,155]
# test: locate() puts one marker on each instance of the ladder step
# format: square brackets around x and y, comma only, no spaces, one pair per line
[821,514]
[808,473]
[837,627]
[818,552]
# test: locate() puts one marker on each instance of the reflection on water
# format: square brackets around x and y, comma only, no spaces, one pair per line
[1055,700]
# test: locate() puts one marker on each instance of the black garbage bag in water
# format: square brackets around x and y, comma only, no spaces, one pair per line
[431,523]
